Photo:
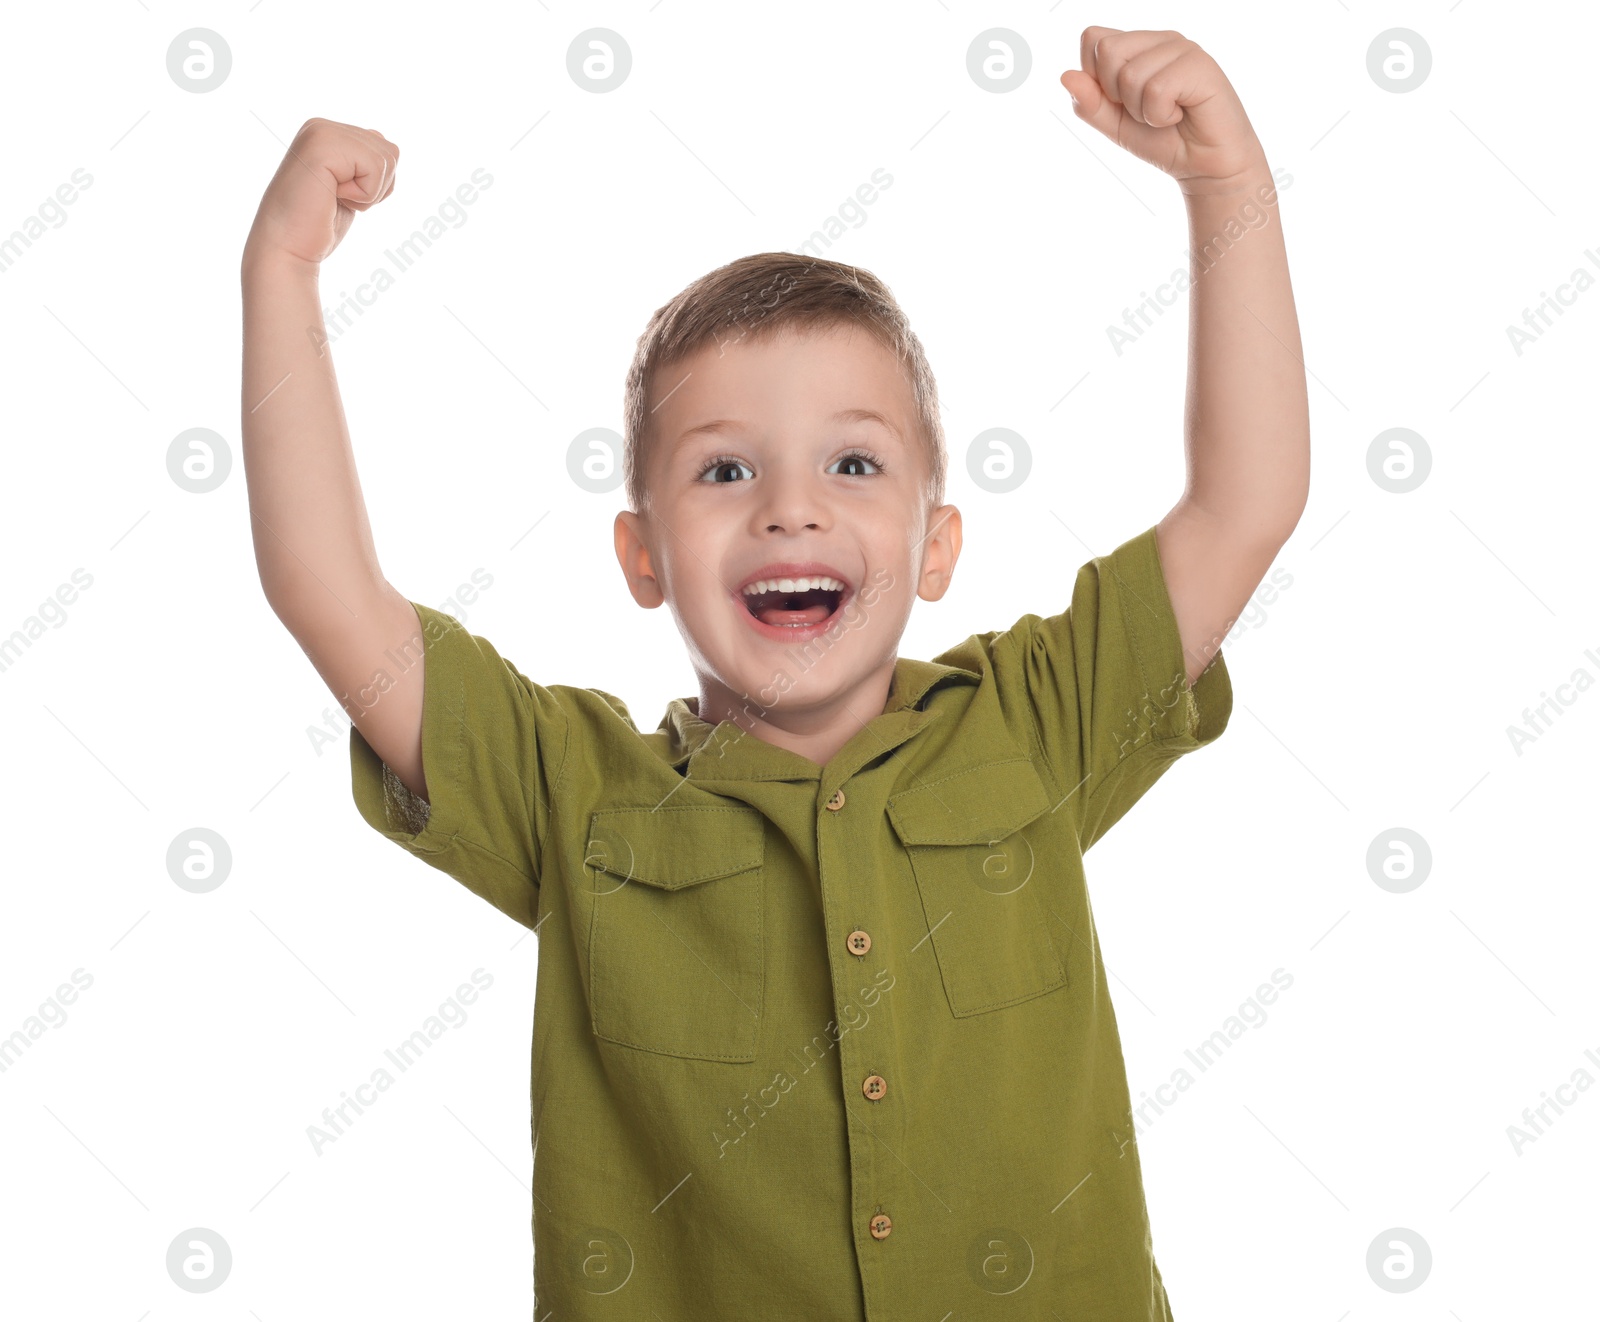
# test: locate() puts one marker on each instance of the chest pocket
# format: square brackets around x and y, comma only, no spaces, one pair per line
[981,882]
[676,943]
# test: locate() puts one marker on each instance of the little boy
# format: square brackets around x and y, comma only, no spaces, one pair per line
[821,1027]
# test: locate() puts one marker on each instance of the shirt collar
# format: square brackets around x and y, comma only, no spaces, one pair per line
[743,754]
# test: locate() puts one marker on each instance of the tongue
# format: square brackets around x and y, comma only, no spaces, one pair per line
[809,615]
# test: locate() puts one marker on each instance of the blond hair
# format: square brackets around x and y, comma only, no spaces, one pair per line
[755,298]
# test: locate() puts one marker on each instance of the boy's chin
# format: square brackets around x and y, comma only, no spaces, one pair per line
[803,681]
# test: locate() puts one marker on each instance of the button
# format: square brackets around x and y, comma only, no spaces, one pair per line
[836,801]
[858,942]
[880,1226]
[874,1086]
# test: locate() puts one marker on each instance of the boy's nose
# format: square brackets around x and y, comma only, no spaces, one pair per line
[795,507]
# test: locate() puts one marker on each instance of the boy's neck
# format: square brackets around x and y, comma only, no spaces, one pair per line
[815,732]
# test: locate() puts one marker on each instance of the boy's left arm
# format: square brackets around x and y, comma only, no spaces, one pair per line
[1246,418]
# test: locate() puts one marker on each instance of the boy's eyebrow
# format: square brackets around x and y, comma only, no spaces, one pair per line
[719,426]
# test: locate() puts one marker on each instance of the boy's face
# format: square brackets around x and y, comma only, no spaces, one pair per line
[782,490]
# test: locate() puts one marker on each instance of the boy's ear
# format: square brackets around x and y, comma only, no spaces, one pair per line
[941,550]
[633,554]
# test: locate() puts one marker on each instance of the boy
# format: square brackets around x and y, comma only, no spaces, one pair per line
[821,1027]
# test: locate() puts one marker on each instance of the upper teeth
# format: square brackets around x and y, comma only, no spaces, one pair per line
[794,584]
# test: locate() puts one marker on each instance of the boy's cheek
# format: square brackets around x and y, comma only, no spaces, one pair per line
[853,616]
[882,581]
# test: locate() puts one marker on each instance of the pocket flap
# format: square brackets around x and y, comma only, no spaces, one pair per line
[675,846]
[971,807]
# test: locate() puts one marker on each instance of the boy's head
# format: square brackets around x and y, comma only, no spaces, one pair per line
[780,412]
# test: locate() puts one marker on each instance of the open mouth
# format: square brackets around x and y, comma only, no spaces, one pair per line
[794,609]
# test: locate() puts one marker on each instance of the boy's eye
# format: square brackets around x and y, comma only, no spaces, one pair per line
[859,457]
[714,468]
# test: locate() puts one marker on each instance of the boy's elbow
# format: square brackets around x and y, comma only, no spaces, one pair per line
[1286,506]
[1293,511]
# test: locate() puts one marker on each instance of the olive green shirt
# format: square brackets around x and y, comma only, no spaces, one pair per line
[823,1042]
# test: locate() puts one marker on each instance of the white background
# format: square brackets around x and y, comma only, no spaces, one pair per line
[1373,692]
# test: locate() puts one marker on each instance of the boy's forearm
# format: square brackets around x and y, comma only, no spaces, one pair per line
[1246,417]
[313,544]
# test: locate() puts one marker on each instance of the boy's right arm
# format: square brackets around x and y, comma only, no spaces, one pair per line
[314,551]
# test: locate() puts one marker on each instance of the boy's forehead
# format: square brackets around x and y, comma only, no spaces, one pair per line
[733,426]
[831,377]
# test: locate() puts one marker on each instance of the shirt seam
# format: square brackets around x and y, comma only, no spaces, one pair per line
[1155,740]
[551,797]
[458,777]
[1042,761]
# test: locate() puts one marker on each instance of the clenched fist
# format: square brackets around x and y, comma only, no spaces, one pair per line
[330,172]
[1159,96]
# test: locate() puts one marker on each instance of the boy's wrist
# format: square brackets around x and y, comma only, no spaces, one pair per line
[264,264]
[1249,179]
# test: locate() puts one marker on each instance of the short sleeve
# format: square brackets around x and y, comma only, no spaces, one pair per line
[493,748]
[1107,686]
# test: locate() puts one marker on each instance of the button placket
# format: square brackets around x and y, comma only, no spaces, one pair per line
[874,1086]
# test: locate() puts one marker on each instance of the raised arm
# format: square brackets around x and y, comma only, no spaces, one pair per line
[1247,424]
[314,551]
